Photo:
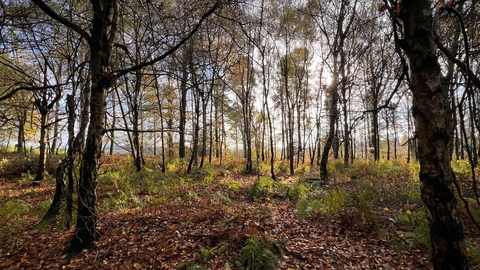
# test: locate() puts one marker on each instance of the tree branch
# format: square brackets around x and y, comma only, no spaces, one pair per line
[119,73]
[28,88]
[139,131]
[463,65]
[54,15]
[459,63]
[386,105]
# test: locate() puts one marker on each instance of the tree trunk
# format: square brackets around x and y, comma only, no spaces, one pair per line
[66,163]
[193,158]
[203,151]
[332,119]
[135,109]
[187,55]
[395,136]
[269,117]
[162,138]
[114,121]
[100,49]
[59,191]
[210,129]
[434,132]
[56,127]
[387,127]
[375,140]
[21,133]
[42,146]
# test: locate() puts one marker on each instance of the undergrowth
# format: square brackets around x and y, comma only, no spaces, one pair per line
[379,186]
[261,253]
[418,237]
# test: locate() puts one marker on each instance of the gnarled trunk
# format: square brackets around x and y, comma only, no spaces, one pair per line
[434,132]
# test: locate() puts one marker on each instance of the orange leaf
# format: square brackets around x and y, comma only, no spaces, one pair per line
[137,265]
[383,8]
[397,10]
[24,258]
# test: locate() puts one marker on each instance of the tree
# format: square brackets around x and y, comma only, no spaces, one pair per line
[294,33]
[434,132]
[378,67]
[14,107]
[265,49]
[335,24]
[44,102]
[243,81]
[100,39]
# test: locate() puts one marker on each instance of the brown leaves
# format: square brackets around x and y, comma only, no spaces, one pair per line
[111,77]
[442,4]
[176,232]
[383,8]
[395,12]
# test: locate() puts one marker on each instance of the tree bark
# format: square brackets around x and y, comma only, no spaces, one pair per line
[56,131]
[100,48]
[434,132]
[187,55]
[42,147]
[332,120]
[21,133]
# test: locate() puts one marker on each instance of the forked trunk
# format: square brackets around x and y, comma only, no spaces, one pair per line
[100,49]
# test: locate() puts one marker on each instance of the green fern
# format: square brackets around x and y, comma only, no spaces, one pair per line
[419,236]
[190,265]
[260,188]
[260,253]
[14,208]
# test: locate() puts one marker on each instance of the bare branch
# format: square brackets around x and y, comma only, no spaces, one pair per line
[54,15]
[119,73]
[27,88]
[139,131]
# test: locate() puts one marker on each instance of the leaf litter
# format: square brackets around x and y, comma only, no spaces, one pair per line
[167,236]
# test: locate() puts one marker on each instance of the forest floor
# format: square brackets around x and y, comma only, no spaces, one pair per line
[206,224]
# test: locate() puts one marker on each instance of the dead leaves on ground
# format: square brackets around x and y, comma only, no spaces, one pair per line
[211,234]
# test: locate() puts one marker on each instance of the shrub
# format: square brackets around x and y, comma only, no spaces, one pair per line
[473,253]
[419,236]
[365,199]
[219,197]
[14,208]
[261,253]
[190,265]
[326,203]
[334,201]
[207,254]
[232,164]
[18,164]
[298,191]
[260,188]
[337,171]
[206,174]
[264,167]
[303,168]
[281,189]
[177,165]
[308,207]
[282,167]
